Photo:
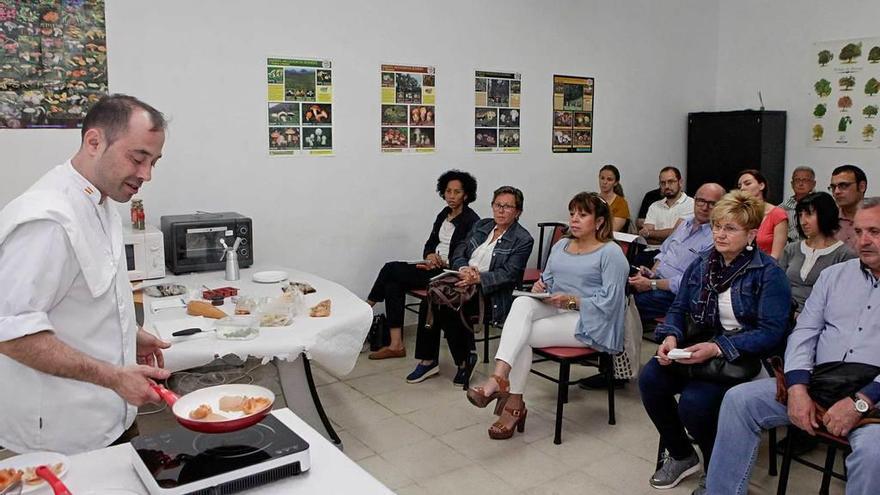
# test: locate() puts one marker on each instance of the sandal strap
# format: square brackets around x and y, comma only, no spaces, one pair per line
[503,384]
[501,427]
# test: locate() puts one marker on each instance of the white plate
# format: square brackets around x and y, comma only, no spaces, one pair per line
[270,277]
[33,460]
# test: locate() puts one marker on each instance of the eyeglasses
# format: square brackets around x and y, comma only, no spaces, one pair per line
[501,207]
[728,229]
[702,202]
[840,185]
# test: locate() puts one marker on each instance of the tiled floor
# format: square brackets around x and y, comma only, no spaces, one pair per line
[427,438]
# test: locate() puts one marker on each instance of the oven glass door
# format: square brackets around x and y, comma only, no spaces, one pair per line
[201,245]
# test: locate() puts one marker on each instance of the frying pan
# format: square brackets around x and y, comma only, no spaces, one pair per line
[181,406]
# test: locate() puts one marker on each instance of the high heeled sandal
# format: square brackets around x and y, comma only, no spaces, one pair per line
[500,431]
[478,397]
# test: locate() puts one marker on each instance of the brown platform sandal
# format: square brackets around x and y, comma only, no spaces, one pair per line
[478,398]
[500,431]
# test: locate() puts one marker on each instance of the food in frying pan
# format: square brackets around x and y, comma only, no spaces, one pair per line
[231,403]
[8,477]
[321,309]
[30,473]
[254,404]
[201,412]
[242,403]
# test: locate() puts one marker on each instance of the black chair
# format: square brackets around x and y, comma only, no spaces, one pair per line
[549,234]
[834,444]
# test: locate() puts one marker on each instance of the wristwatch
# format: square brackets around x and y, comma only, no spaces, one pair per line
[572,305]
[653,284]
[860,404]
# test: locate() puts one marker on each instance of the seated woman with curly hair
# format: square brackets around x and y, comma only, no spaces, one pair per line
[458,189]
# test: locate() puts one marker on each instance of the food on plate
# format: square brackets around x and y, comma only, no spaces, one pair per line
[255,404]
[303,287]
[30,473]
[8,477]
[275,320]
[201,412]
[203,308]
[231,403]
[321,309]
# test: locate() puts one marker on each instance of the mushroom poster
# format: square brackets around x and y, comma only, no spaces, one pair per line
[53,62]
[573,114]
[497,111]
[300,111]
[845,93]
[408,93]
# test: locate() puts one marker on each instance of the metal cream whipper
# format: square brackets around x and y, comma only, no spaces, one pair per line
[231,255]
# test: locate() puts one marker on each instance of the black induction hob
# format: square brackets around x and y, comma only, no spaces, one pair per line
[181,461]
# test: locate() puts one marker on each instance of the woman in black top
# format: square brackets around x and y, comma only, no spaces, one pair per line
[452,224]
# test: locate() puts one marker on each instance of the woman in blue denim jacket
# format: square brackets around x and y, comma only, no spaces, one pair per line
[744,298]
[494,255]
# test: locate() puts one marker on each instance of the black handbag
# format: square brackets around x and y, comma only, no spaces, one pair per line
[379,336]
[718,369]
[837,380]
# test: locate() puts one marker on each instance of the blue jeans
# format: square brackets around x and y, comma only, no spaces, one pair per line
[653,303]
[751,407]
[696,409]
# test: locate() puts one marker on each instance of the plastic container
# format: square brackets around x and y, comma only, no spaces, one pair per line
[238,327]
[276,312]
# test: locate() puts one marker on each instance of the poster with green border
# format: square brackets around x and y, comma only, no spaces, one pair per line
[300,107]
[497,111]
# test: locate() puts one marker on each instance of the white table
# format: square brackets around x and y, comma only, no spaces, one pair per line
[334,342]
[331,471]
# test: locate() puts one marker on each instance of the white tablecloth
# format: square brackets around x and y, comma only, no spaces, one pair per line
[334,341]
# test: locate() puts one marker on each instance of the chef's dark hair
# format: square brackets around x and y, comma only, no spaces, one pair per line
[112,113]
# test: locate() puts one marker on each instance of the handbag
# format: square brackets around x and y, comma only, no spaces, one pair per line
[829,383]
[718,369]
[379,336]
[442,291]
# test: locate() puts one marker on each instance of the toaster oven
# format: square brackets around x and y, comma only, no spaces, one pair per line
[192,242]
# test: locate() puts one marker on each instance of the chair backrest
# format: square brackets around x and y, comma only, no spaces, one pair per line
[550,233]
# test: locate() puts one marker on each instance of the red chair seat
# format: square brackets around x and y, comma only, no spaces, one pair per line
[568,352]
[419,293]
[531,275]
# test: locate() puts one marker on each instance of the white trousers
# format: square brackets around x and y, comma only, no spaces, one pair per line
[532,323]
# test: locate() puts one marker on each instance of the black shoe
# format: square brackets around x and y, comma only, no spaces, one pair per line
[598,382]
[803,443]
[463,375]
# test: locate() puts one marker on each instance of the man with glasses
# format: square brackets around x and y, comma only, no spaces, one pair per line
[848,186]
[803,182]
[665,214]
[838,326]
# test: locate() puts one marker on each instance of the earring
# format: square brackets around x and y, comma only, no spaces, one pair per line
[749,247]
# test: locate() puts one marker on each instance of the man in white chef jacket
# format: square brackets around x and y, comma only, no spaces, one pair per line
[73,363]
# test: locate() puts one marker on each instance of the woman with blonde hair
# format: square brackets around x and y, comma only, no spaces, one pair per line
[585,277]
[731,309]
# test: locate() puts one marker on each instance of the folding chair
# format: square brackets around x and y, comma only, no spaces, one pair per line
[834,444]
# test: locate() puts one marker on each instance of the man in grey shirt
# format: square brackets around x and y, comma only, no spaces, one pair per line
[839,323]
[803,182]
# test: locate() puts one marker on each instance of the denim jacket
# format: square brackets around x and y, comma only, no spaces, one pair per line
[761,299]
[509,260]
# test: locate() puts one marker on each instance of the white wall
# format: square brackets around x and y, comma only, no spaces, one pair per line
[341,217]
[768,45]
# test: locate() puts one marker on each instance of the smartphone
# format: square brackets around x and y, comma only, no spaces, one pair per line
[634,270]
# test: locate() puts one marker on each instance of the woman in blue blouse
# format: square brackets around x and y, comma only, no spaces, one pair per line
[586,279]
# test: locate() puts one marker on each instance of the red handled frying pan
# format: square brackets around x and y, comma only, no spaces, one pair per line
[184,407]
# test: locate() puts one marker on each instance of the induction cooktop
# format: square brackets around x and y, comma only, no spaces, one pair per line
[183,462]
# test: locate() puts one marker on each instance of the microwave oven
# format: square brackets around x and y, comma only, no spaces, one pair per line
[192,242]
[144,252]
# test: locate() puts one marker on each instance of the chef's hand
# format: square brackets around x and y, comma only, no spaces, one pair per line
[668,344]
[539,286]
[801,410]
[841,417]
[149,349]
[702,352]
[640,282]
[133,383]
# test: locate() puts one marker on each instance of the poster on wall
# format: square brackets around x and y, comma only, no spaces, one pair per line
[572,114]
[408,110]
[497,111]
[53,62]
[300,109]
[845,93]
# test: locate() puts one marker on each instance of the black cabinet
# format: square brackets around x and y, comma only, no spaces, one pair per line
[721,144]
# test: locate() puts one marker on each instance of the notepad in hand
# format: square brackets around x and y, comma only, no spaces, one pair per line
[536,295]
[443,273]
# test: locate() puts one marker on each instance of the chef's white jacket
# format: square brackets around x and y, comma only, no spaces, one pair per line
[63,268]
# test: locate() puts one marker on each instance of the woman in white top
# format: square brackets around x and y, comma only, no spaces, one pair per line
[817,219]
